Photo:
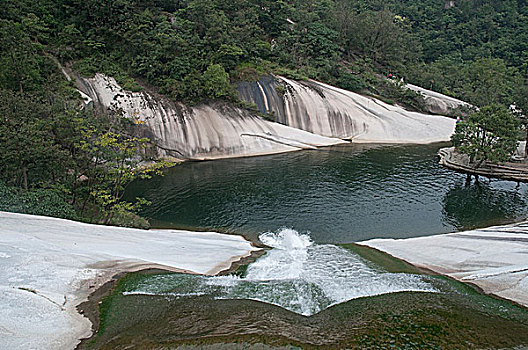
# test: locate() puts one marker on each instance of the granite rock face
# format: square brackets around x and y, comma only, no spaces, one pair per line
[48,266]
[329,111]
[495,258]
[202,132]
[437,103]
[308,114]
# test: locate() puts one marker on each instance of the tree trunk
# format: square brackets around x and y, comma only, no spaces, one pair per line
[526,144]
[108,218]
[24,178]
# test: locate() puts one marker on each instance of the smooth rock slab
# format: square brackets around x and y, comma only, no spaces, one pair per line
[203,132]
[48,266]
[326,110]
[438,103]
[309,114]
[494,259]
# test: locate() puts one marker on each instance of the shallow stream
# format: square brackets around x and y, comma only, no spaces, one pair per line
[296,274]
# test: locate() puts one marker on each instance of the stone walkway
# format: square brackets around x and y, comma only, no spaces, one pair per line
[512,171]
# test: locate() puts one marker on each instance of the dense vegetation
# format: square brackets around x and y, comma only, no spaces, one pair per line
[489,134]
[194,50]
[190,50]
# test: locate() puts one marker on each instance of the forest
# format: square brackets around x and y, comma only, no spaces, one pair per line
[58,159]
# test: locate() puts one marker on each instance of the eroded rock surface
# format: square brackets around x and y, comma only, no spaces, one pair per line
[329,111]
[308,114]
[202,132]
[495,259]
[48,266]
[438,103]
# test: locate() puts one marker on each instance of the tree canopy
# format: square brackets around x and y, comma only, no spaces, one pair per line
[170,44]
[489,134]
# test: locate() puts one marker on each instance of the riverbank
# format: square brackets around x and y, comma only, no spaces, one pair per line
[494,259]
[49,266]
[512,171]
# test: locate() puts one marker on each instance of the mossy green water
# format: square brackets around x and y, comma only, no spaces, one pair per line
[381,260]
[457,317]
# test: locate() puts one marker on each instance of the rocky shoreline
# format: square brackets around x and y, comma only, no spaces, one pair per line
[90,307]
[50,266]
[59,271]
[456,318]
[310,115]
[494,259]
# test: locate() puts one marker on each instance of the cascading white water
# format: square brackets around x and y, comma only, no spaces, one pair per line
[285,261]
[296,274]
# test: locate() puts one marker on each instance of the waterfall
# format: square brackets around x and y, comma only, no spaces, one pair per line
[296,274]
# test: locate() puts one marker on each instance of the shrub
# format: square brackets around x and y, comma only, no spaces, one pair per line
[351,82]
[47,202]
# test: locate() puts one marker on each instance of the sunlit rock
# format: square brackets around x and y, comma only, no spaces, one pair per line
[495,259]
[308,114]
[438,103]
[211,131]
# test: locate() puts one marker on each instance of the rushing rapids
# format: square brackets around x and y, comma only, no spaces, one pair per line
[296,274]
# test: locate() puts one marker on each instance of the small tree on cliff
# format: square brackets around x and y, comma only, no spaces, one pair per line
[490,134]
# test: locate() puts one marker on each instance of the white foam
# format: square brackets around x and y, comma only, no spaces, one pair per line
[285,261]
[296,274]
[286,239]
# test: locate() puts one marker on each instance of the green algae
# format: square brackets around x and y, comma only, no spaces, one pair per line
[457,317]
[380,260]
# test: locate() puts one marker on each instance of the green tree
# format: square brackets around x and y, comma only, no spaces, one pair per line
[490,134]
[20,62]
[488,81]
[115,156]
[30,155]
[229,55]
[120,164]
[382,36]
[216,82]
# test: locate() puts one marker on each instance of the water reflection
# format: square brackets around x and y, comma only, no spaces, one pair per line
[476,204]
[337,194]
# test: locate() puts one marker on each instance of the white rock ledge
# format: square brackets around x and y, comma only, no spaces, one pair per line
[494,259]
[48,266]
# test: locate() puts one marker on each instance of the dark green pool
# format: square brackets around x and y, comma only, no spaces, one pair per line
[337,194]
